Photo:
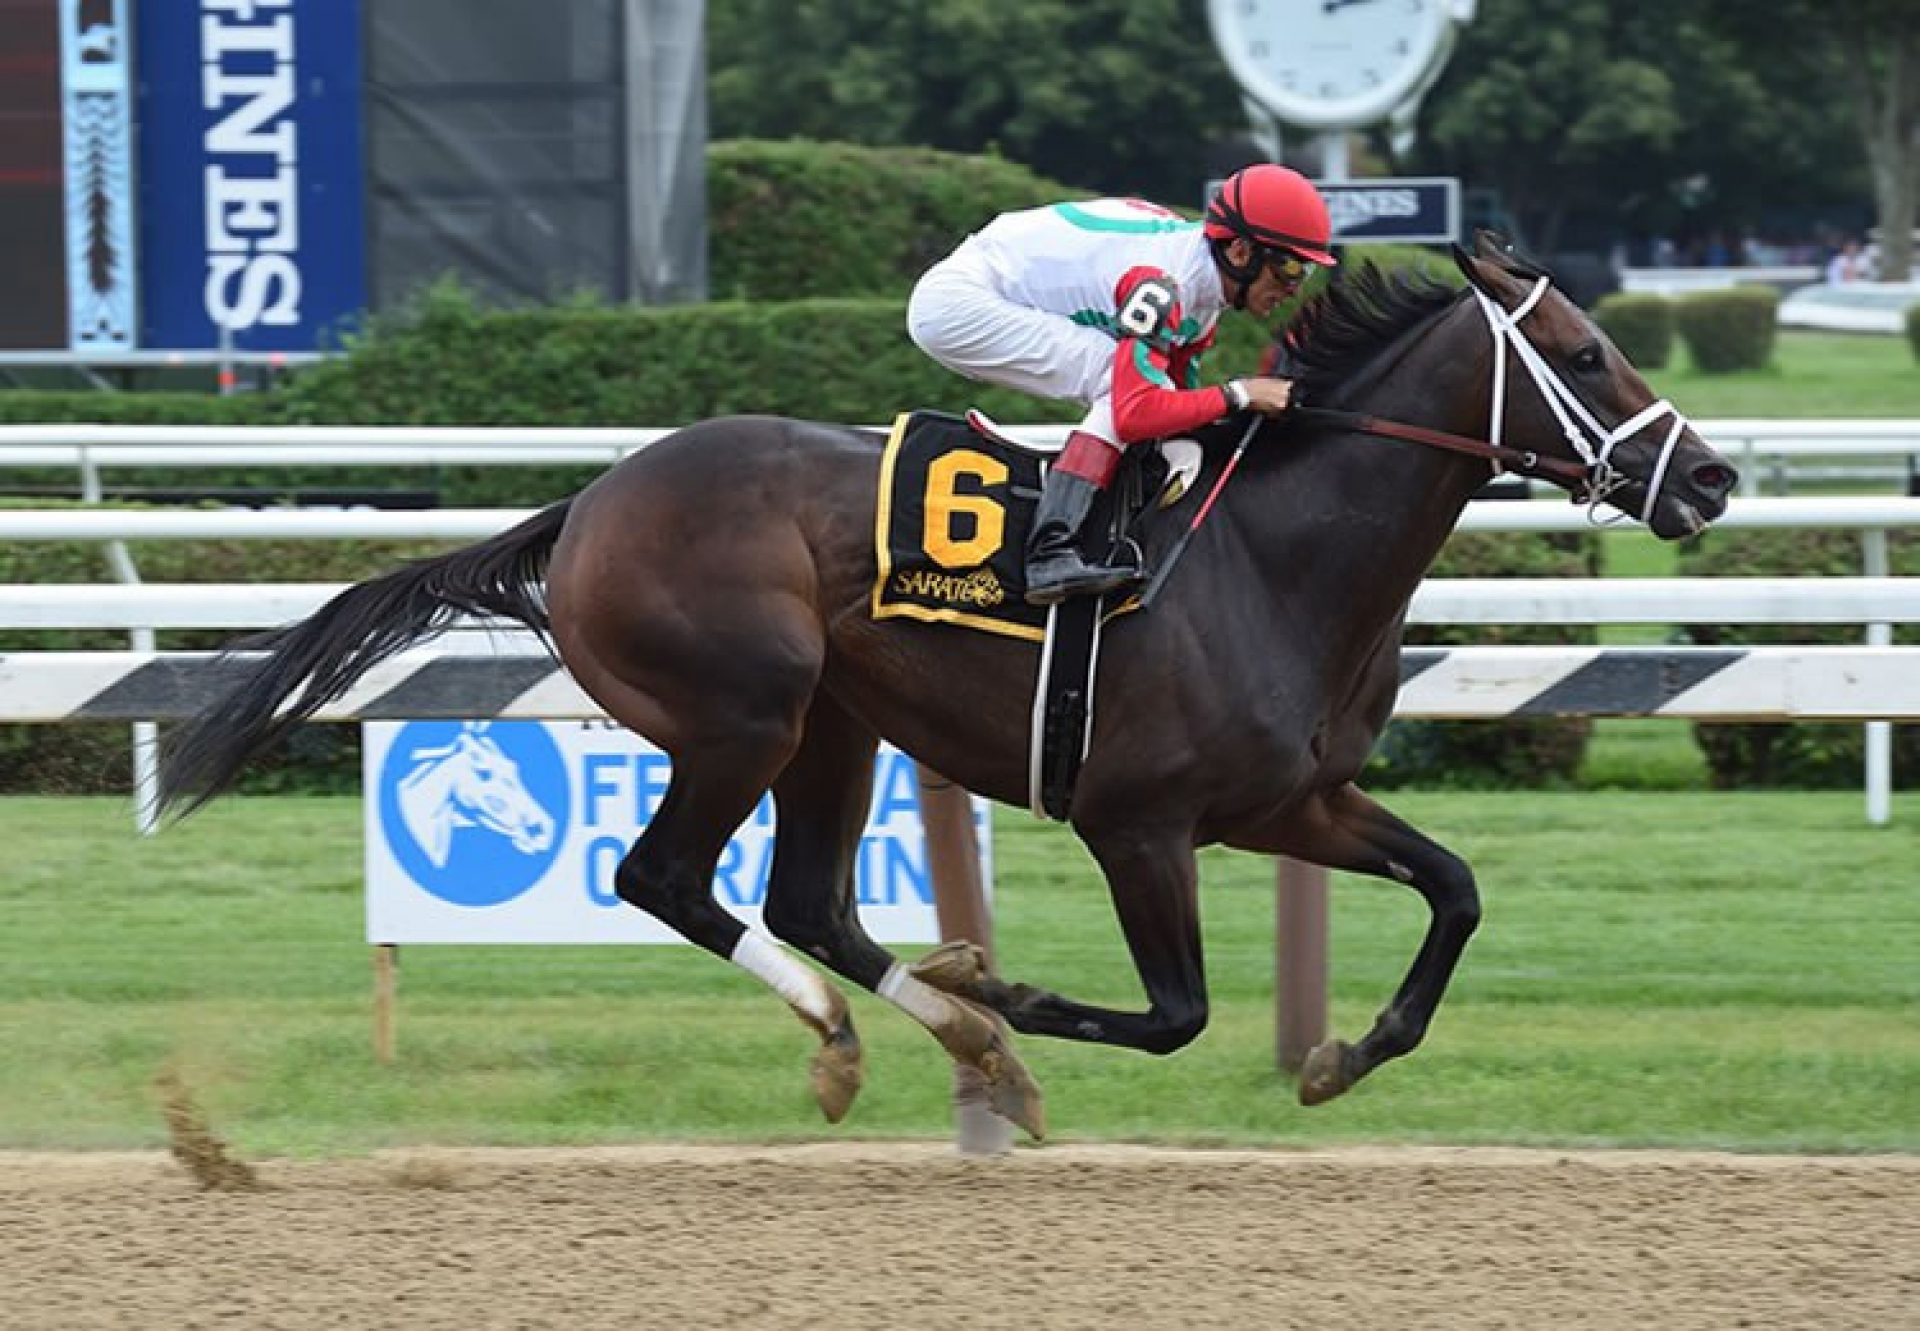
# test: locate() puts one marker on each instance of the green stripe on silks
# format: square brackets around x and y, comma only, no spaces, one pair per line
[1188,330]
[1146,226]
[1152,373]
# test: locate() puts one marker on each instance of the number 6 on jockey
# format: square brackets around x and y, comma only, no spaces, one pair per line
[1112,302]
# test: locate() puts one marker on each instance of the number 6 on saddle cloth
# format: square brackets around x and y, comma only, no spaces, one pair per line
[956,500]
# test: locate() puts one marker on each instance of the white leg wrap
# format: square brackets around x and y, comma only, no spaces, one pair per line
[793,981]
[916,998]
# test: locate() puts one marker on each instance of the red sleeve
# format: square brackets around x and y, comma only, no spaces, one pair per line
[1146,405]
[1185,367]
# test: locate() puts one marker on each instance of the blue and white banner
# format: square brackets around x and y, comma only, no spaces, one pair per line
[98,133]
[251,196]
[510,831]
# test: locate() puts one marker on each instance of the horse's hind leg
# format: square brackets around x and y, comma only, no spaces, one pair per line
[668,873]
[1344,829]
[822,799]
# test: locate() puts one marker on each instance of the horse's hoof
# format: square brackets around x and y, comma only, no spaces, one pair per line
[1324,1075]
[978,1128]
[955,968]
[1011,1090]
[838,1073]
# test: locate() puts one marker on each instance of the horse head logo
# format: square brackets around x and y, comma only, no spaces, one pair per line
[470,783]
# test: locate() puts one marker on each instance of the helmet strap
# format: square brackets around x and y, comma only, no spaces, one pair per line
[1244,275]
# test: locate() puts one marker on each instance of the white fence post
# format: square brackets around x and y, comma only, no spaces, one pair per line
[1879,746]
[146,735]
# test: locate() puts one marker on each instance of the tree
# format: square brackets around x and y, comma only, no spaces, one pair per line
[1109,95]
[1607,118]
[1867,53]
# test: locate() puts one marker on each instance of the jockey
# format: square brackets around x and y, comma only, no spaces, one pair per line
[1112,302]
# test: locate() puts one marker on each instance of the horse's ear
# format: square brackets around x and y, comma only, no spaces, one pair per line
[1491,244]
[1469,267]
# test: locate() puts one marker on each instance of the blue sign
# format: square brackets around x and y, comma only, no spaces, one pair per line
[251,201]
[1421,210]
[514,831]
[473,810]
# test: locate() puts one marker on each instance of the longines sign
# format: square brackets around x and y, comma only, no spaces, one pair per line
[1415,210]
[251,197]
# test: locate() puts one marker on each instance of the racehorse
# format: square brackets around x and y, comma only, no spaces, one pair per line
[712,594]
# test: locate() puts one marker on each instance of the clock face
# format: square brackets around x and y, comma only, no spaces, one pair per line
[1332,64]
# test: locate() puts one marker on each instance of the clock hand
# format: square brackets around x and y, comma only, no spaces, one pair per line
[1333,6]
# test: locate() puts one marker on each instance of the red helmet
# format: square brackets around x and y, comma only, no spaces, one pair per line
[1276,208]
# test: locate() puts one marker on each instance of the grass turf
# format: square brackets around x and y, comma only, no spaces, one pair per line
[1677,969]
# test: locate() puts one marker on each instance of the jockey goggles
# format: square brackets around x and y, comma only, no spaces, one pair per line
[1289,267]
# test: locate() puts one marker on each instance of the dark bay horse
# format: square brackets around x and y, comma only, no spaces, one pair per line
[712,594]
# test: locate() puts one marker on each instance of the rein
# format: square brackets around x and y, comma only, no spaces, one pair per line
[1525,462]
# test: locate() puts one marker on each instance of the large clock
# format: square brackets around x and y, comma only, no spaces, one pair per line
[1335,64]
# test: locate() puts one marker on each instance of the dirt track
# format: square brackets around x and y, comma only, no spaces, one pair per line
[909,1236]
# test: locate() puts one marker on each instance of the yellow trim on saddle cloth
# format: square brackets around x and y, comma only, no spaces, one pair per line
[883,557]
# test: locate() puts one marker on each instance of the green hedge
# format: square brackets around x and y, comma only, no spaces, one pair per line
[1913,329]
[1641,325]
[1728,330]
[795,219]
[1795,755]
[1531,754]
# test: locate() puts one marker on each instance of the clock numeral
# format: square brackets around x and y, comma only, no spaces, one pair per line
[1372,76]
[1402,47]
[1258,50]
[1329,89]
[1248,8]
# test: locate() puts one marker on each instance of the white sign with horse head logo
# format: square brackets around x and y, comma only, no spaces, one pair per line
[510,831]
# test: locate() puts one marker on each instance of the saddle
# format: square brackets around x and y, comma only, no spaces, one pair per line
[957,497]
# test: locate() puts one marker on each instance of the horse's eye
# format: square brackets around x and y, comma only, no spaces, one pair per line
[1588,358]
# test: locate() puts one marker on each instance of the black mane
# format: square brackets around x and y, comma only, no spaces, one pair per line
[1360,312]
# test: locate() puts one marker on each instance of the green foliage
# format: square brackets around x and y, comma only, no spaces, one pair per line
[794,220]
[1527,754]
[1631,119]
[38,407]
[1113,96]
[1728,330]
[449,361]
[1798,755]
[1913,329]
[1641,326]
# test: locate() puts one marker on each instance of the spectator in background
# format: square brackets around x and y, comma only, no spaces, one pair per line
[1845,265]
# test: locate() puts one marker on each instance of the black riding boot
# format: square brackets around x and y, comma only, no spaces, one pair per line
[1055,569]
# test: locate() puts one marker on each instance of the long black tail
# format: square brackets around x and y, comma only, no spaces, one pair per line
[311,663]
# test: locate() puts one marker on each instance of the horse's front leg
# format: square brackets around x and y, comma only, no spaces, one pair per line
[1154,882]
[1343,828]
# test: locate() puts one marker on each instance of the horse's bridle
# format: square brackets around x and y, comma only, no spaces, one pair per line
[1593,478]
